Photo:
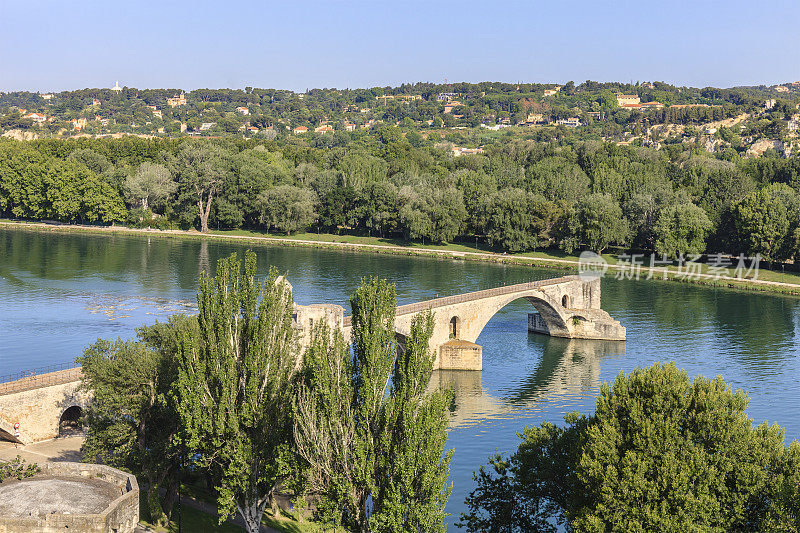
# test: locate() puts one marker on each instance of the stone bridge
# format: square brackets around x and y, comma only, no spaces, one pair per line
[44,404]
[568,307]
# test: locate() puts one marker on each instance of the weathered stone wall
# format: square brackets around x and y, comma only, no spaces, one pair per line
[306,316]
[121,515]
[460,355]
[39,411]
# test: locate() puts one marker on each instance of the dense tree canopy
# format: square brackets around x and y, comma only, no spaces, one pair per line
[234,386]
[661,453]
[131,419]
[370,431]
[517,196]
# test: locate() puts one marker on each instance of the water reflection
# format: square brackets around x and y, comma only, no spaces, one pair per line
[58,293]
[566,366]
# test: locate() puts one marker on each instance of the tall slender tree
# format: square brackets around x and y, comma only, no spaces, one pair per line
[372,435]
[234,386]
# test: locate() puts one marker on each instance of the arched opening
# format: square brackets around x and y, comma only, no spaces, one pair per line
[70,422]
[455,327]
[565,301]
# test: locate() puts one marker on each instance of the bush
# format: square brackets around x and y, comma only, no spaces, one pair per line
[17,468]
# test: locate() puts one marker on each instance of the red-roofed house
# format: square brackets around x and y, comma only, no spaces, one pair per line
[36,117]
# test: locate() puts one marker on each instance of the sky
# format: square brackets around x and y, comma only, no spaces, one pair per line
[51,45]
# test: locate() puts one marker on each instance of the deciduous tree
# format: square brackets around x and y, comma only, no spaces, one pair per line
[152,182]
[288,208]
[595,221]
[131,420]
[681,229]
[661,453]
[200,172]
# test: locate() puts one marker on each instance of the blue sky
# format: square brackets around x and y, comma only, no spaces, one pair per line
[55,45]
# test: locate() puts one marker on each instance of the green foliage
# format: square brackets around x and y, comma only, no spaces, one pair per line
[518,220]
[766,219]
[151,183]
[287,208]
[521,193]
[201,170]
[681,229]
[595,221]
[132,418]
[372,436]
[38,187]
[17,469]
[437,214]
[235,385]
[660,453]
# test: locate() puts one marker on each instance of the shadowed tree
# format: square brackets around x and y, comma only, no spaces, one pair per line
[131,419]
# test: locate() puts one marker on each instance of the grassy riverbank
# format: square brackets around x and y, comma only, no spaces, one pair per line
[768,280]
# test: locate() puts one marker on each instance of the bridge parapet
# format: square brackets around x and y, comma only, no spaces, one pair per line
[41,377]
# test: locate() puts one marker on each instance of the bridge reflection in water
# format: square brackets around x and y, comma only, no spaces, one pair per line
[567,366]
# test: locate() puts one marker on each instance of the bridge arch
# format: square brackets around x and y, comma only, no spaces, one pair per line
[549,309]
[7,432]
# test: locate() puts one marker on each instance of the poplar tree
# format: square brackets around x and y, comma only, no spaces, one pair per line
[234,386]
[373,438]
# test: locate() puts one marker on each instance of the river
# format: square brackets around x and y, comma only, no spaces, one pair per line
[60,292]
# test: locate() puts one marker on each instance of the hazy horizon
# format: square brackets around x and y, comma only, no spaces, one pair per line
[51,46]
[558,82]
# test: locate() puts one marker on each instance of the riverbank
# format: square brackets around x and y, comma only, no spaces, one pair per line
[768,281]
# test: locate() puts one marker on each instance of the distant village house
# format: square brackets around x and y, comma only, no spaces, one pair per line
[627,99]
[177,100]
[36,117]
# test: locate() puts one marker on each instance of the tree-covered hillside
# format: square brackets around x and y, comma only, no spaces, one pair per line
[732,121]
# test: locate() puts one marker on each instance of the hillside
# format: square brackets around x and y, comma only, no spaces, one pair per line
[744,121]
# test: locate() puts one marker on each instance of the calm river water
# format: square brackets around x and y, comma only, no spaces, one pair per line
[60,292]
